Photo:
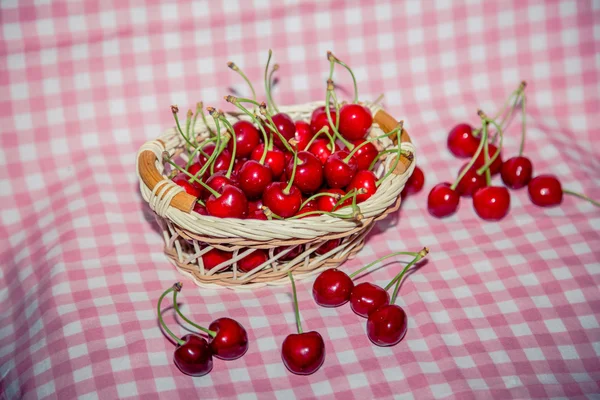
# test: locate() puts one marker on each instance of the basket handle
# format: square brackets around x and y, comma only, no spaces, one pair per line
[387,123]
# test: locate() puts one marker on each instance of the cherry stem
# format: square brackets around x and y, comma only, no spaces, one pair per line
[334,59]
[178,311]
[337,116]
[490,161]
[366,142]
[218,147]
[210,131]
[314,196]
[235,102]
[193,127]
[188,122]
[176,287]
[344,198]
[378,99]
[523,125]
[354,215]
[267,86]
[194,178]
[275,68]
[235,68]
[398,279]
[399,154]
[581,196]
[175,110]
[232,132]
[472,160]
[296,310]
[287,189]
[366,267]
[323,131]
[199,150]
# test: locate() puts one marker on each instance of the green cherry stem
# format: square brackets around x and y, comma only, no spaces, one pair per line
[399,154]
[183,317]
[489,161]
[275,68]
[176,287]
[366,267]
[235,101]
[267,88]
[287,189]
[486,154]
[175,111]
[193,127]
[472,160]
[581,196]
[323,131]
[334,59]
[210,131]
[330,120]
[523,125]
[235,68]
[194,178]
[296,310]
[188,122]
[199,150]
[317,195]
[398,279]
[232,133]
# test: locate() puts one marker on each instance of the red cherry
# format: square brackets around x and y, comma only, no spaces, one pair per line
[295,252]
[195,168]
[516,172]
[471,182]
[285,125]
[355,121]
[492,203]
[320,149]
[254,178]
[363,180]
[545,191]
[309,172]
[221,162]
[216,182]
[365,155]
[332,288]
[200,209]
[461,141]
[327,203]
[308,207]
[281,203]
[237,165]
[366,298]
[231,341]
[275,159]
[255,205]
[328,246]
[387,325]
[303,134]
[442,200]
[415,183]
[194,357]
[339,172]
[253,260]
[214,257]
[496,165]
[259,214]
[303,353]
[319,119]
[230,204]
[247,138]
[182,180]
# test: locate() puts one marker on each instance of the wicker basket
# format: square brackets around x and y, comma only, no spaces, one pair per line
[188,235]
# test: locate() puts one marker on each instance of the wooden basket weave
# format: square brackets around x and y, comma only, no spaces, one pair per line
[188,235]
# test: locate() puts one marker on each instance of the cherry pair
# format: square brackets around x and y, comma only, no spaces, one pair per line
[194,354]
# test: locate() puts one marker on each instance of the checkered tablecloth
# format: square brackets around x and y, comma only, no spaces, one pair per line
[507,310]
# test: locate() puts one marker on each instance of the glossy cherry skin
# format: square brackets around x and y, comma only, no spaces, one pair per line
[200,209]
[365,155]
[320,148]
[309,172]
[496,165]
[253,260]
[442,200]
[194,357]
[255,205]
[366,298]
[355,121]
[471,182]
[214,257]
[308,207]
[182,180]
[247,137]
[303,134]
[327,203]
[387,325]
[216,182]
[545,191]
[339,173]
[194,169]
[237,165]
[286,126]
[254,179]
[275,159]
[290,255]
[283,204]
[257,215]
[231,341]
[231,203]
[303,353]
[332,288]
[363,180]
[516,172]
[461,141]
[319,119]
[415,183]
[492,203]
[328,246]
[221,162]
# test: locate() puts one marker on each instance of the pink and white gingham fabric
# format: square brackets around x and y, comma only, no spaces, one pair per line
[507,310]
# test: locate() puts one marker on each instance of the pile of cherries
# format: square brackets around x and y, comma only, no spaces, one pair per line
[272,167]
[492,202]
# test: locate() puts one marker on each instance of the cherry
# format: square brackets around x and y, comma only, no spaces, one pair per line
[290,255]
[339,170]
[309,172]
[247,137]
[328,246]
[332,288]
[214,257]
[275,159]
[257,214]
[442,200]
[365,154]
[200,209]
[195,168]
[221,162]
[237,165]
[367,297]
[216,182]
[415,183]
[319,119]
[255,205]
[253,260]
[496,164]
[470,182]
[387,325]
[230,341]
[303,134]
[309,206]
[516,172]
[182,180]
[355,121]
[254,178]
[302,353]
[545,191]
[320,148]
[328,203]
[461,141]
[491,203]
[365,180]
[282,200]
[286,127]
[231,203]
